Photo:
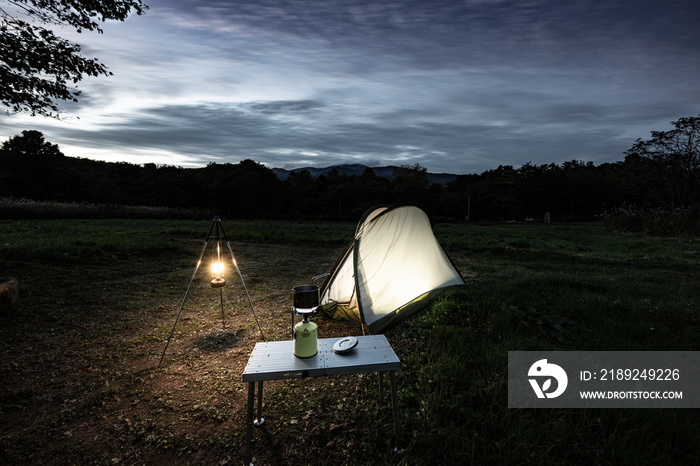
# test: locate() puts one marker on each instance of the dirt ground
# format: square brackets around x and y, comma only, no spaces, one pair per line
[79,360]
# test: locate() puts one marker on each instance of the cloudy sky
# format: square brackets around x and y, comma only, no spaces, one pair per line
[458,86]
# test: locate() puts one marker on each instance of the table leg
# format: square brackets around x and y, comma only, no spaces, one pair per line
[395,409]
[260,420]
[249,422]
[381,387]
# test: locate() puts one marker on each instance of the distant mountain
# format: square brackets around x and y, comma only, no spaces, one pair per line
[358,169]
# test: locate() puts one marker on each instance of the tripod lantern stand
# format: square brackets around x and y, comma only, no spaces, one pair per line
[218,281]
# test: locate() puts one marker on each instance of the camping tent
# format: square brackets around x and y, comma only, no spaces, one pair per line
[392,268]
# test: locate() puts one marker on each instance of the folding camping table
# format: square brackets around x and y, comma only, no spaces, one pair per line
[275,360]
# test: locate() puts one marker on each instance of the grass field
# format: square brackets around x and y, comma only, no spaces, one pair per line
[78,360]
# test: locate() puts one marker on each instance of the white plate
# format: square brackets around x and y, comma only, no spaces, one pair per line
[344,345]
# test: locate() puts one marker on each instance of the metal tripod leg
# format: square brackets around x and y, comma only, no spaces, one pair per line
[240,275]
[187,291]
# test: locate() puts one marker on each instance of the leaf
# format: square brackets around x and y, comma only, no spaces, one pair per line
[546,385]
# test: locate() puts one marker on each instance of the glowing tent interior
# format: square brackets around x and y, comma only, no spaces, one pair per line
[392,268]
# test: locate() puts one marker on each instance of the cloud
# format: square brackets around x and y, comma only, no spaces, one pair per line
[455,86]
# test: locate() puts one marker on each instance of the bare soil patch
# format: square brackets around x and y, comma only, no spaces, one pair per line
[79,360]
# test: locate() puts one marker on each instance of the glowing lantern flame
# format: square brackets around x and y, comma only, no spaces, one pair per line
[217,269]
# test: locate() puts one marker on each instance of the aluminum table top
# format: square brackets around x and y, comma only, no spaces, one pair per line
[275,360]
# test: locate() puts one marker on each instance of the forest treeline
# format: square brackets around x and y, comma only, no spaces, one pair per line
[571,191]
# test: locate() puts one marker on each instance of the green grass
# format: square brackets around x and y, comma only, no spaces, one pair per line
[548,288]
[97,240]
[97,303]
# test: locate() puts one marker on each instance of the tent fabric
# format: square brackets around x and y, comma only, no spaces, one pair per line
[393,267]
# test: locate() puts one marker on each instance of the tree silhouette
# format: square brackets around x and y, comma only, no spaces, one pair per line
[674,158]
[409,183]
[37,65]
[31,144]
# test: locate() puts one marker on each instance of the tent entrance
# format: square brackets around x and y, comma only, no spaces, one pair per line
[392,268]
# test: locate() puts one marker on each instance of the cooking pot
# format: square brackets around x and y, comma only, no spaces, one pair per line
[305,296]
